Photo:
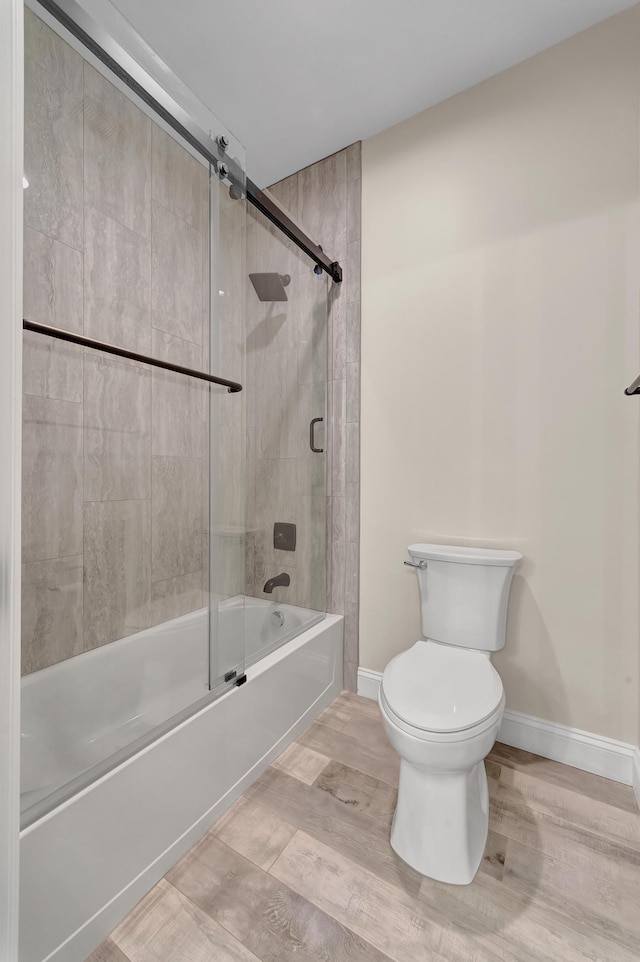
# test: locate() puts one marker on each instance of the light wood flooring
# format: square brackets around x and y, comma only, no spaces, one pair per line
[300,868]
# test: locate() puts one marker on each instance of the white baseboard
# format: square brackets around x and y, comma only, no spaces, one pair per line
[571,746]
[369,683]
[636,775]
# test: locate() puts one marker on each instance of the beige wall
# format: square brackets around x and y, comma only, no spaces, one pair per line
[499,327]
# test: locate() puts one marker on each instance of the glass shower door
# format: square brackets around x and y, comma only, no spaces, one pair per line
[286,387]
[130,472]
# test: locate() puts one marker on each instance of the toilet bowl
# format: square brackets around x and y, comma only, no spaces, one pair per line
[441,703]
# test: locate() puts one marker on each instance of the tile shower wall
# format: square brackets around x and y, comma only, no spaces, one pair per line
[116,247]
[325,200]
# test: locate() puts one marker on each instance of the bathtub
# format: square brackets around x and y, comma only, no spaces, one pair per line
[266,626]
[84,716]
[132,797]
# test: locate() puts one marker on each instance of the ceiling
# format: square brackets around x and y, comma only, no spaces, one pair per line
[296,80]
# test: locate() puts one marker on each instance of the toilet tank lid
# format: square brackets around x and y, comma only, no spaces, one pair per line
[461,554]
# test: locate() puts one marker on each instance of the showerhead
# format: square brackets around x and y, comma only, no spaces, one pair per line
[270,287]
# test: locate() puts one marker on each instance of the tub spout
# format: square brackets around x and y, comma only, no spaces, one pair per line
[280,581]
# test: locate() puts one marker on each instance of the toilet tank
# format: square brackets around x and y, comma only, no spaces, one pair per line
[464,593]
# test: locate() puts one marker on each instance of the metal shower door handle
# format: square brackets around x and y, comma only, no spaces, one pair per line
[312,428]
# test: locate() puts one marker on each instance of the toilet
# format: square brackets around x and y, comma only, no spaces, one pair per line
[442,702]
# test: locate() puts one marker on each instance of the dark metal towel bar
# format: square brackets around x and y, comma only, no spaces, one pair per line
[232,386]
[633,388]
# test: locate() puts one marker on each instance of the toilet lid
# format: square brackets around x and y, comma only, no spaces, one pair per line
[441,689]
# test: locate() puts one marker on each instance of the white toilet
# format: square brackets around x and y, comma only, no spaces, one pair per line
[442,703]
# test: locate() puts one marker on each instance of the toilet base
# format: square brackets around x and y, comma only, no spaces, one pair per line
[441,821]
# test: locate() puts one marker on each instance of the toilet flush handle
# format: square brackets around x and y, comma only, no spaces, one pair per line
[416,564]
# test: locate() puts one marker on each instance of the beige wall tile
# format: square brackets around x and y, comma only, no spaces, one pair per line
[353,391]
[311,552]
[250,383]
[354,203]
[351,573]
[53,152]
[176,276]
[352,512]
[251,468]
[313,357]
[274,325]
[117,588]
[268,249]
[313,328]
[276,500]
[336,538]
[61,63]
[117,160]
[352,272]
[51,368]
[350,675]
[52,479]
[117,430]
[276,389]
[311,292]
[250,563]
[179,181]
[228,496]
[176,597]
[351,633]
[176,517]
[337,436]
[52,292]
[51,612]
[354,171]
[117,290]
[178,401]
[353,331]
[338,309]
[286,194]
[352,466]
[322,202]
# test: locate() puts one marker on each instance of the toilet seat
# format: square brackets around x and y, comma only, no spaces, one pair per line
[441,690]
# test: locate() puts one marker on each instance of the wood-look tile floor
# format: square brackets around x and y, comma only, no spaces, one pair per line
[300,868]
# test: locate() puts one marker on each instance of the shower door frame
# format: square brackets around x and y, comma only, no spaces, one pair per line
[11,123]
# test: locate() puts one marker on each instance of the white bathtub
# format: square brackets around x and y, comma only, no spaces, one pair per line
[78,716]
[88,861]
[78,713]
[266,625]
